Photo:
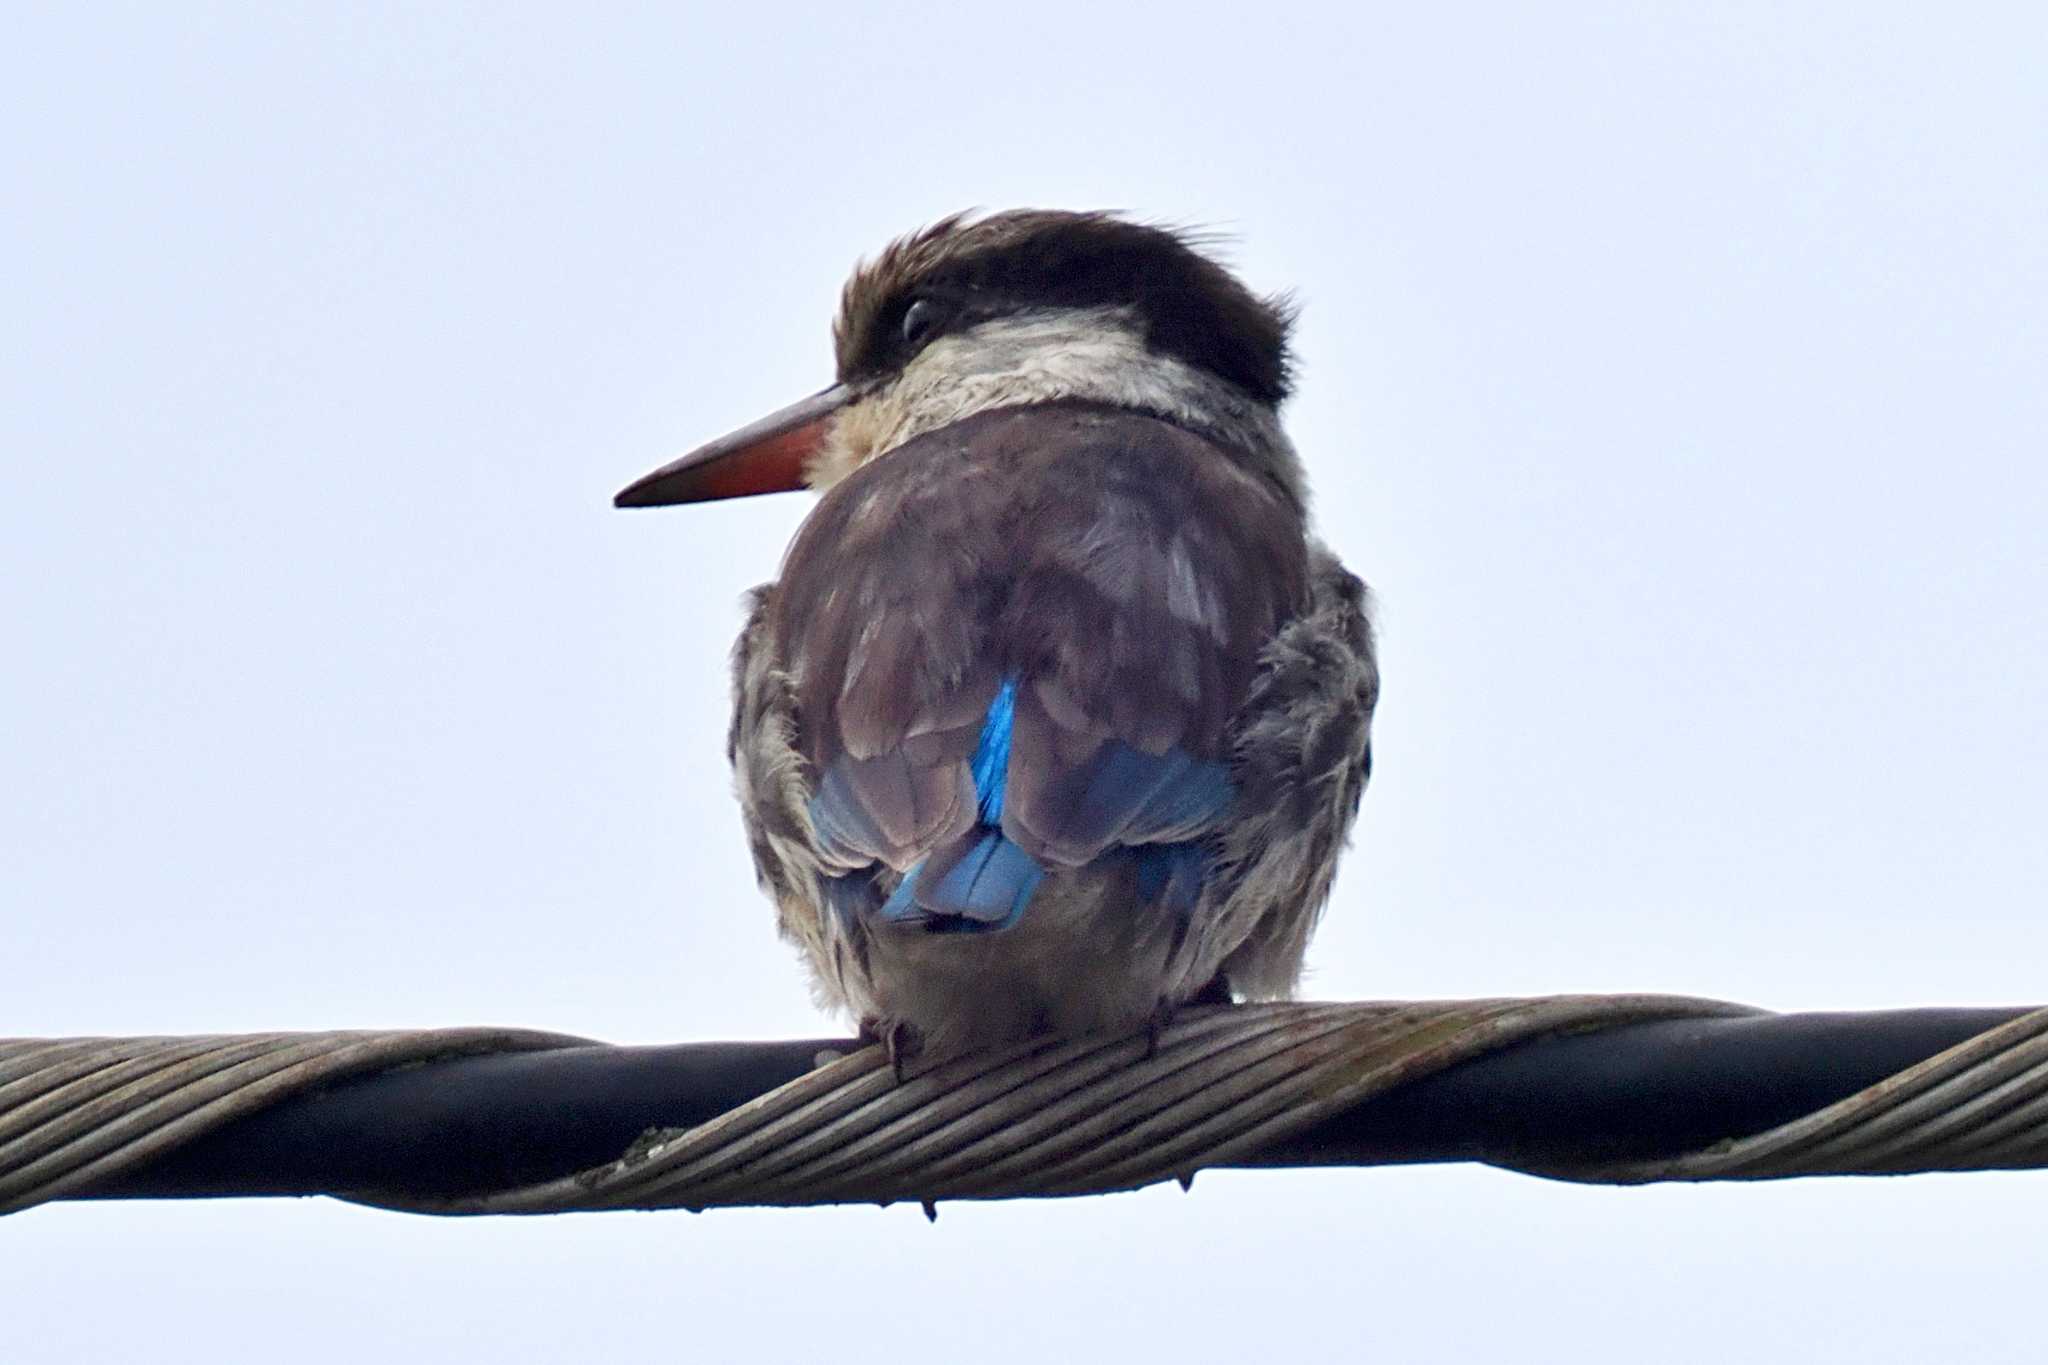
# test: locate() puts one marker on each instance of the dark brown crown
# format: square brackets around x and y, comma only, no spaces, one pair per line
[966,270]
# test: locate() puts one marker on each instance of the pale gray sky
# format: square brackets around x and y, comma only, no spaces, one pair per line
[1675,379]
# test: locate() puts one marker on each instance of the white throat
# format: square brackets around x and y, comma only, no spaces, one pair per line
[1090,354]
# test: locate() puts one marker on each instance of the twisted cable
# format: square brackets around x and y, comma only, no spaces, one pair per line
[1220,1086]
[74,1111]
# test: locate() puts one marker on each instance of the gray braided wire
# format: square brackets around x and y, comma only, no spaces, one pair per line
[76,1111]
[1047,1117]
[1981,1105]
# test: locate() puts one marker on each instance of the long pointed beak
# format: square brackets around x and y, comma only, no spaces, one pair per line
[767,456]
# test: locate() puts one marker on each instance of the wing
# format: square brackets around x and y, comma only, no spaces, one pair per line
[1304,753]
[1018,643]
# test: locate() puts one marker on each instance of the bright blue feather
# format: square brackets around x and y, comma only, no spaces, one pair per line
[992,754]
[987,888]
[1135,798]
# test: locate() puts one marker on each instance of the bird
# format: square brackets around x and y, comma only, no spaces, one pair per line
[1059,714]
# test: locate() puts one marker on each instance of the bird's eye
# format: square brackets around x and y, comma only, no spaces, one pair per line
[920,320]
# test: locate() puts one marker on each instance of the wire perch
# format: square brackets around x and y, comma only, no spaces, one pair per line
[1615,1089]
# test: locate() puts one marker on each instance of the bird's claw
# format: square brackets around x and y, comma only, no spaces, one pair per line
[895,1037]
[902,1044]
[1161,1020]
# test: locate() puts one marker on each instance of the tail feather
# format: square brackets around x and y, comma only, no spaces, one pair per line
[983,880]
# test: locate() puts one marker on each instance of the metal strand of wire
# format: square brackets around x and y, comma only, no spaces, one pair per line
[1982,1105]
[76,1110]
[1219,1087]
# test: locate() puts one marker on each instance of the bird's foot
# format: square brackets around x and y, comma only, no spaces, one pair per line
[1159,1023]
[1217,992]
[895,1037]
[904,1045]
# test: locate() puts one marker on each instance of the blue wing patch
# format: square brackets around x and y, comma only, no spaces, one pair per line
[1133,797]
[1158,803]
[845,829]
[986,886]
[992,754]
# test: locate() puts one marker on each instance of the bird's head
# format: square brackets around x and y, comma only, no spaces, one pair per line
[1029,306]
